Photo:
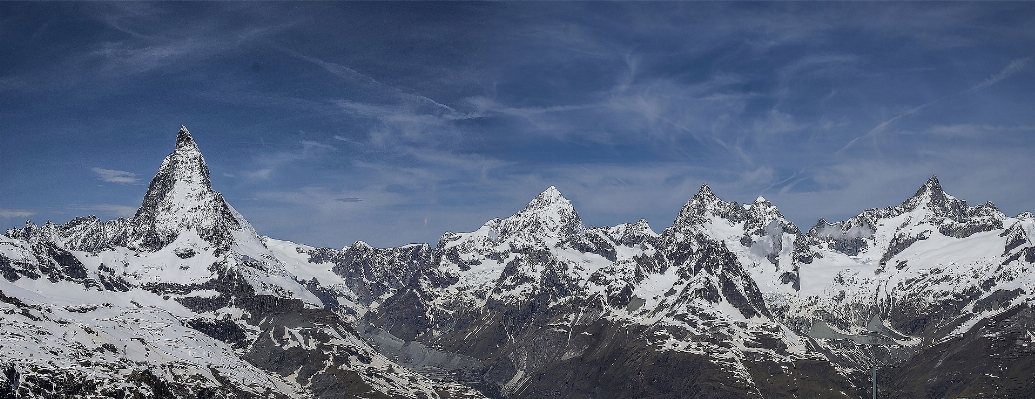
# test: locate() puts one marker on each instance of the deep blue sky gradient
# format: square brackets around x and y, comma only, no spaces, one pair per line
[326,123]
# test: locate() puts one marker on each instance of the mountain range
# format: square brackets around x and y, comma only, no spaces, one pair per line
[186,300]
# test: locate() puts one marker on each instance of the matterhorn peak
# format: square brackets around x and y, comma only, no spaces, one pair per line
[180,198]
[184,140]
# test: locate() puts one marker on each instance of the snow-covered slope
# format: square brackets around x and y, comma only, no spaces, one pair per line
[930,270]
[931,247]
[67,340]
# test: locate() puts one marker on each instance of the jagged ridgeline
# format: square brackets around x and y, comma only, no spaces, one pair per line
[186,300]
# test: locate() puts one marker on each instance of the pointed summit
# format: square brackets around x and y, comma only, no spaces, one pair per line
[704,192]
[703,199]
[185,168]
[933,197]
[184,140]
[932,190]
[551,193]
[763,217]
[548,198]
[547,212]
[180,198]
[933,184]
[706,199]
[704,205]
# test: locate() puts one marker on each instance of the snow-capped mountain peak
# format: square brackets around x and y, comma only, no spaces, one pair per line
[705,205]
[933,197]
[185,168]
[762,215]
[704,194]
[547,212]
[931,204]
[180,198]
[551,198]
[629,232]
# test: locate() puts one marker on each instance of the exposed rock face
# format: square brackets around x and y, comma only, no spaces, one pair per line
[185,300]
[373,273]
[963,366]
[180,197]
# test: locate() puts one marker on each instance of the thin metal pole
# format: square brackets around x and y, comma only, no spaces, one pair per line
[874,380]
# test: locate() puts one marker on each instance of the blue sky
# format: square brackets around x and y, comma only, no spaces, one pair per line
[327,123]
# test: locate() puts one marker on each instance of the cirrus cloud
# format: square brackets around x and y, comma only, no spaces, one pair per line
[115,176]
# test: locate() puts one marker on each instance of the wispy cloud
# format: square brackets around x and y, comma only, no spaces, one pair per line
[259,174]
[881,127]
[776,122]
[148,39]
[115,176]
[486,106]
[1015,66]
[15,213]
[316,144]
[341,71]
[352,76]
[268,164]
[395,118]
[817,65]
[977,131]
[126,58]
[1012,68]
